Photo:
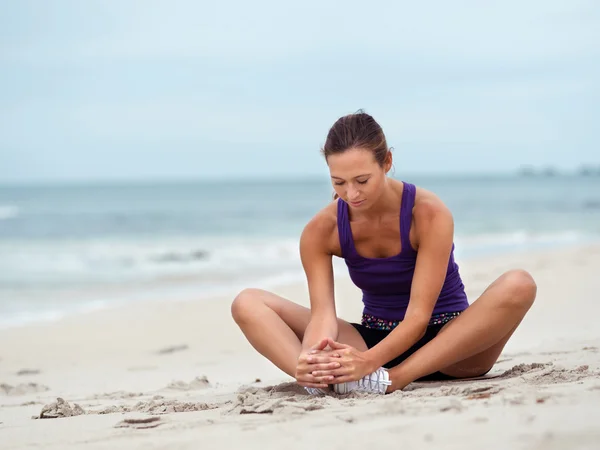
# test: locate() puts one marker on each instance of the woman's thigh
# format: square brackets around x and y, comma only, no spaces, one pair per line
[297,318]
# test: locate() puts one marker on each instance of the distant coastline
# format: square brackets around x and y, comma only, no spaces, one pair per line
[586,170]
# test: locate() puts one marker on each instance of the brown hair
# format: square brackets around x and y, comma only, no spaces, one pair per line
[358,130]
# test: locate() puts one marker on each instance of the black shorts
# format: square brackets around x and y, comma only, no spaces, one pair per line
[373,336]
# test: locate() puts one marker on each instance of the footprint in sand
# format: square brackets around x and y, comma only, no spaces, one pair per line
[548,373]
[141,423]
[61,408]
[22,389]
[157,407]
[118,395]
[503,360]
[28,372]
[480,392]
[197,383]
[282,399]
[518,370]
[172,349]
[251,404]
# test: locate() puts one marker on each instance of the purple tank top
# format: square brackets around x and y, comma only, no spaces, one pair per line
[386,282]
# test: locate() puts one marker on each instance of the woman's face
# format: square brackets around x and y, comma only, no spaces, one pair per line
[357,177]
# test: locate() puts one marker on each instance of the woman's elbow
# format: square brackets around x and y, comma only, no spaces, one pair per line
[419,324]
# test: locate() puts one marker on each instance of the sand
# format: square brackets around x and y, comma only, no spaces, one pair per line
[180,375]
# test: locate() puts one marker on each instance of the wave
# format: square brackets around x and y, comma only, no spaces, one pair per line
[212,261]
[46,280]
[43,313]
[57,263]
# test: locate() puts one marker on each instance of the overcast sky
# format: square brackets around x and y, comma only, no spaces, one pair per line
[103,89]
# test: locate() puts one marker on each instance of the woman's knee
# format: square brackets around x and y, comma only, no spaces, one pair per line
[522,288]
[245,303]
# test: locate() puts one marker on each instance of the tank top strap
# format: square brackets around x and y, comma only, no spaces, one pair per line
[408,202]
[344,230]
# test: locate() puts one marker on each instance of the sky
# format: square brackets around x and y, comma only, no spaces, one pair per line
[106,89]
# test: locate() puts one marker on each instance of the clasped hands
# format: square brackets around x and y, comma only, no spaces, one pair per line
[330,362]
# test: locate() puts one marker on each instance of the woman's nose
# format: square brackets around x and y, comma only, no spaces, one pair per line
[352,193]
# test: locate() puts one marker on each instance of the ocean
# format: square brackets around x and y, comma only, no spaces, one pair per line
[68,249]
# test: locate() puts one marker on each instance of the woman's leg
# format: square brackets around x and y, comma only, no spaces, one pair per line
[275,327]
[470,344]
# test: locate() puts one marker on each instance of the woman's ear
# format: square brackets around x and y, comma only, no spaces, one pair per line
[388,161]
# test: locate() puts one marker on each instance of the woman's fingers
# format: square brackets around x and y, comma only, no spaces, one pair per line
[313,385]
[321,362]
[309,378]
[321,359]
[319,346]
[342,371]
[337,345]
[327,379]
[324,366]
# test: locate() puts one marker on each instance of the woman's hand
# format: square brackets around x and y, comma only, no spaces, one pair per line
[354,364]
[318,358]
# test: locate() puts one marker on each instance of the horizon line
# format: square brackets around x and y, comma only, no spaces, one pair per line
[546,172]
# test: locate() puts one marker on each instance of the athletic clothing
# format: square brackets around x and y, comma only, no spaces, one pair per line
[386,284]
[373,336]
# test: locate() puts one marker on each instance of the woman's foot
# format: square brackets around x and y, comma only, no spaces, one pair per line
[317,391]
[375,383]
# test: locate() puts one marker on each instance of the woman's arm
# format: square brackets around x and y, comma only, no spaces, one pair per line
[434,226]
[317,263]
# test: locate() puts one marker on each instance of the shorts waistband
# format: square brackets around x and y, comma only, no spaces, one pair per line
[377,323]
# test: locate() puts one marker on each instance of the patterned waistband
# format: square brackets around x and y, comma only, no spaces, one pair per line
[376,323]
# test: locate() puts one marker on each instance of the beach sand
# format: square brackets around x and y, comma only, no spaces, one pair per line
[180,375]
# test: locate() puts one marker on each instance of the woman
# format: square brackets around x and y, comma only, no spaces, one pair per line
[397,241]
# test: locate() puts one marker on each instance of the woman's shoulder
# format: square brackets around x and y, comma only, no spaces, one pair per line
[322,227]
[324,221]
[427,201]
[429,206]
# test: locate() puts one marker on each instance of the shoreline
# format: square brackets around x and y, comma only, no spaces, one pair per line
[477,273]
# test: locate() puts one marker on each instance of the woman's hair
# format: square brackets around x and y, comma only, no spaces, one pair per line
[358,130]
